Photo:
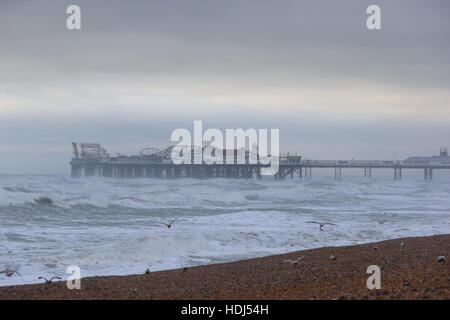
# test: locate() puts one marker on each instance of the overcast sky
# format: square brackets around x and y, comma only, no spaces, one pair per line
[137,70]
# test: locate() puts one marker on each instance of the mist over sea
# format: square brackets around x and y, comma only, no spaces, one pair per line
[113,226]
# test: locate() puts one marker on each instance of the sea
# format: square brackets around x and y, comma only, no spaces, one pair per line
[109,226]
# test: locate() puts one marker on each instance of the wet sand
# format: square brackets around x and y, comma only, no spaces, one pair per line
[408,271]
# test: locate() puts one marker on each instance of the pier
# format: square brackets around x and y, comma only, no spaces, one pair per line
[93,160]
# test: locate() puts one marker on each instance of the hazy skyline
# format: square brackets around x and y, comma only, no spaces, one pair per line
[137,70]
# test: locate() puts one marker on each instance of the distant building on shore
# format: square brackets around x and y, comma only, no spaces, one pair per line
[441,159]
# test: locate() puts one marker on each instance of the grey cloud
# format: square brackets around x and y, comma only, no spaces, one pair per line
[294,40]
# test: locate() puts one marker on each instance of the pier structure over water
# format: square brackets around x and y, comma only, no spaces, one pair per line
[93,160]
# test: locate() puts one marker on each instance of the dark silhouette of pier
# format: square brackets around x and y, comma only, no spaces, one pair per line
[153,163]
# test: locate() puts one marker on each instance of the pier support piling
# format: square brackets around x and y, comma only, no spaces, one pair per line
[338,173]
[308,173]
[368,172]
[397,173]
[428,174]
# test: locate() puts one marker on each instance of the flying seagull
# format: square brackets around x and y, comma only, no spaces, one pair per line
[168,225]
[49,280]
[44,200]
[321,224]
[10,272]
[294,261]
[7,249]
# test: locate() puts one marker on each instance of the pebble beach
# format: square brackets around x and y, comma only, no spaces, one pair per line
[410,269]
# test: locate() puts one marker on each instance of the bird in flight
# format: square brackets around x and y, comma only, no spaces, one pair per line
[168,225]
[294,261]
[322,224]
[7,249]
[44,200]
[10,272]
[48,281]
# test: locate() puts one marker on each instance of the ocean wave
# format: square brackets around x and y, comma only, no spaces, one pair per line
[115,226]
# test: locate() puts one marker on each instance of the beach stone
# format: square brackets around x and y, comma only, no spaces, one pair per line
[441,259]
[381,293]
[332,257]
